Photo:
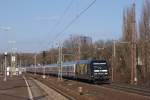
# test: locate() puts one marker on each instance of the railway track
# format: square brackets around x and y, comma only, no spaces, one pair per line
[61,92]
[129,88]
[69,89]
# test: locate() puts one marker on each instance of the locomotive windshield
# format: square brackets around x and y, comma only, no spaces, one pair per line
[99,66]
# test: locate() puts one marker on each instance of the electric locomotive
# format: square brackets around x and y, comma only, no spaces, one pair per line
[92,70]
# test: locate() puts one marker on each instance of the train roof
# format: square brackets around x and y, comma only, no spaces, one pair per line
[78,62]
[83,61]
[51,65]
[70,63]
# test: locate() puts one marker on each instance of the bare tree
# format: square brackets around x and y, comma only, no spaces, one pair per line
[126,48]
[144,29]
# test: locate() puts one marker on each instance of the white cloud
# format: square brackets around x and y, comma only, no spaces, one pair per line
[5,28]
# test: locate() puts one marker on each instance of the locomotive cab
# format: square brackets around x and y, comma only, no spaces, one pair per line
[99,70]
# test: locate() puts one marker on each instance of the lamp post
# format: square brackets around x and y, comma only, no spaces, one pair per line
[5,77]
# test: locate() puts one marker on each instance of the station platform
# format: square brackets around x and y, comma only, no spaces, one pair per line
[14,88]
[26,88]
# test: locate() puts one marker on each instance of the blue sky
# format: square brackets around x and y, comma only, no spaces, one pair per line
[31,23]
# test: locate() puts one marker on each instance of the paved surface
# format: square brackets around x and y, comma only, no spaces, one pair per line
[37,92]
[26,88]
[13,89]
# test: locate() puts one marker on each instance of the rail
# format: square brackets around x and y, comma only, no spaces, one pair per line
[129,88]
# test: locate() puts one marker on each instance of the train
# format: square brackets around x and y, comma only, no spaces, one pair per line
[89,70]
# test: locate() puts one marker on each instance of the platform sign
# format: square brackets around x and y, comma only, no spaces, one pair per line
[20,72]
[13,58]
[8,71]
[17,71]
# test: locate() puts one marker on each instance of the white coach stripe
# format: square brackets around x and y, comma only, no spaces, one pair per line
[29,90]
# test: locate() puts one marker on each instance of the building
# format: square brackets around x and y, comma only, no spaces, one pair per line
[85,40]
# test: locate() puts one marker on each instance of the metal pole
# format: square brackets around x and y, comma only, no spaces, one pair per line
[11,64]
[35,64]
[44,63]
[79,48]
[114,56]
[61,61]
[44,72]
[133,49]
[58,62]
[20,67]
[5,77]
[1,67]
[44,68]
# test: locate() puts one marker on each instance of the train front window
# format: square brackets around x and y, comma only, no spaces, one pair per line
[100,67]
